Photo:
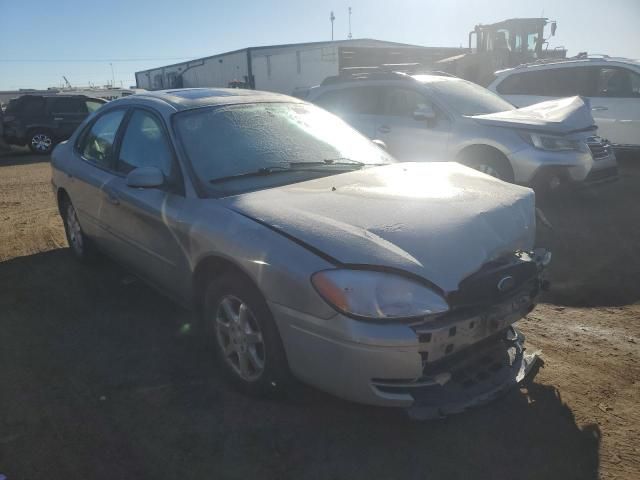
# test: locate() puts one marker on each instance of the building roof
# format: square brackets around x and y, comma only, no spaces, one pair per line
[354,42]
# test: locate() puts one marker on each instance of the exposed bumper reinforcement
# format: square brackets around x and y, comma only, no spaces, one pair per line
[461,393]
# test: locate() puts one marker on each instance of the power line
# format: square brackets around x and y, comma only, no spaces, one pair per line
[92,60]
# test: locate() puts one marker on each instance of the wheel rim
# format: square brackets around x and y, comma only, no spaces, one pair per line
[75,232]
[240,338]
[489,170]
[41,142]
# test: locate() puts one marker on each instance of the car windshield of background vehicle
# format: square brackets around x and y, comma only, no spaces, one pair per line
[239,139]
[470,99]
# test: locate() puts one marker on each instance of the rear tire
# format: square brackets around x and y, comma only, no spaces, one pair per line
[244,335]
[41,141]
[80,245]
[490,162]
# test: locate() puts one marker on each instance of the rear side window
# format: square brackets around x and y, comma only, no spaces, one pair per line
[92,105]
[97,144]
[67,105]
[31,106]
[402,102]
[353,101]
[558,82]
[618,82]
[144,145]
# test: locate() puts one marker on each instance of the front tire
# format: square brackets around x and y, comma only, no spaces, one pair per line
[494,164]
[244,335]
[41,142]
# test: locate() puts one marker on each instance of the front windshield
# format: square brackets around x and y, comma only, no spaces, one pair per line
[238,139]
[468,98]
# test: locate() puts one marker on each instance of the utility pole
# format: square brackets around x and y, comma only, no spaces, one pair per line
[349,23]
[113,77]
[332,17]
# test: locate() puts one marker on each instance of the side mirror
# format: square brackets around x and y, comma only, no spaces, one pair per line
[145,177]
[424,112]
[381,144]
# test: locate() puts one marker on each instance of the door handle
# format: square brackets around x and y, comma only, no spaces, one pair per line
[112,198]
[599,109]
[384,129]
[57,119]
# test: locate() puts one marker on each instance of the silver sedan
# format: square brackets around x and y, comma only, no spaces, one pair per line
[306,250]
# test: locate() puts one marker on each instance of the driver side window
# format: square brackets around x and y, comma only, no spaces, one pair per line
[144,145]
[97,144]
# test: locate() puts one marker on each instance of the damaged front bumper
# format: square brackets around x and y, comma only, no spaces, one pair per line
[483,374]
[432,368]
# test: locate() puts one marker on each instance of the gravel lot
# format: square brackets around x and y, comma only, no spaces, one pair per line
[98,379]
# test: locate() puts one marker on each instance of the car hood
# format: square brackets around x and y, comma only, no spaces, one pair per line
[441,221]
[561,116]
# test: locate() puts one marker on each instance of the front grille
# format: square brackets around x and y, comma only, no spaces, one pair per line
[600,149]
[481,288]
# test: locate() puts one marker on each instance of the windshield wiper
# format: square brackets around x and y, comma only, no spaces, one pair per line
[339,161]
[292,167]
[261,172]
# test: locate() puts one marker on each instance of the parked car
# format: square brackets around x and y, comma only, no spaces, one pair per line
[439,117]
[612,86]
[308,249]
[41,121]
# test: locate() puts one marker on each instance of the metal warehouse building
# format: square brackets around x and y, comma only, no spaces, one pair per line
[286,68]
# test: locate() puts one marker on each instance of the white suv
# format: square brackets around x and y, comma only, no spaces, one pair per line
[443,118]
[612,86]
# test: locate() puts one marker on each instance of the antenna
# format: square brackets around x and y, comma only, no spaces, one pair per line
[332,17]
[349,23]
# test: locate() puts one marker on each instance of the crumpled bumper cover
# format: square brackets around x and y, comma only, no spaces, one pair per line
[481,377]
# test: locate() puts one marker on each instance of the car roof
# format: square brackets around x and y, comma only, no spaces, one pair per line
[596,60]
[188,98]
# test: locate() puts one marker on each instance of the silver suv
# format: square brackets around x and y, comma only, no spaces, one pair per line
[439,117]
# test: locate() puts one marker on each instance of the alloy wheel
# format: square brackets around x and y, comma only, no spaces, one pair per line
[41,142]
[75,232]
[489,170]
[240,338]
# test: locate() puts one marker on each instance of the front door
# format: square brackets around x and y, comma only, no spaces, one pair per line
[407,138]
[144,222]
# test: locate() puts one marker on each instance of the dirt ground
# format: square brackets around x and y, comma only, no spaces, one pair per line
[98,379]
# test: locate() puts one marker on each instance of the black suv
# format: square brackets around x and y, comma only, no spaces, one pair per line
[41,121]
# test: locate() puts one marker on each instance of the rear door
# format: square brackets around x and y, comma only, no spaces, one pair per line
[407,138]
[615,104]
[92,170]
[357,105]
[527,88]
[143,222]
[67,114]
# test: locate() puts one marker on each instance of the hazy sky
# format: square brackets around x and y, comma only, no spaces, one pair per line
[42,40]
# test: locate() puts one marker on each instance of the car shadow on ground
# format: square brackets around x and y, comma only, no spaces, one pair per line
[105,379]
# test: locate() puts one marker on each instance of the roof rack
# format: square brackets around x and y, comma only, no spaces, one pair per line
[579,56]
[387,71]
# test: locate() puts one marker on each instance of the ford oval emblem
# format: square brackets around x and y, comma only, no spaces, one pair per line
[506,283]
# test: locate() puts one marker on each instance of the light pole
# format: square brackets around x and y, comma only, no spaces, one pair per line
[332,17]
[349,23]
[113,77]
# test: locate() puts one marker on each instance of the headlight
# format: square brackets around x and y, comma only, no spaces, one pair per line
[379,295]
[550,142]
